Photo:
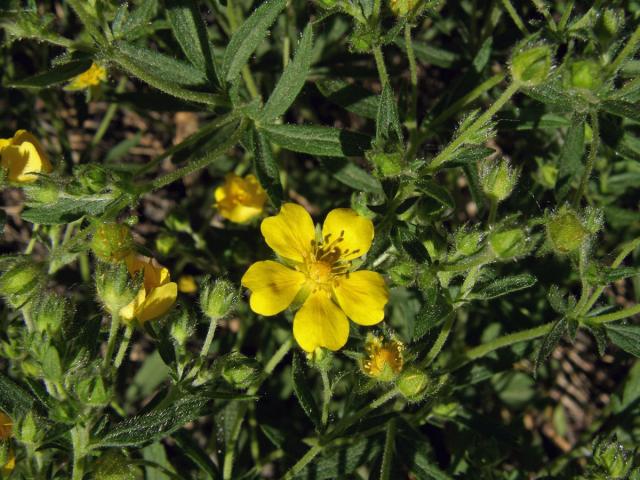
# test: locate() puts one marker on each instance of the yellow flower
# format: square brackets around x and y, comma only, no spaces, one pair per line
[384,359]
[158,292]
[23,156]
[187,284]
[92,77]
[321,269]
[6,427]
[240,199]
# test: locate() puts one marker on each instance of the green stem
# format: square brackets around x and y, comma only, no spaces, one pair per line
[515,17]
[612,317]
[389,446]
[108,116]
[326,400]
[111,342]
[480,122]
[440,341]
[542,8]
[78,453]
[213,323]
[493,211]
[627,51]
[593,152]
[201,162]
[413,69]
[124,345]
[382,69]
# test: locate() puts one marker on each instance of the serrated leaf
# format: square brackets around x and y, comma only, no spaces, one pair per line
[267,169]
[549,342]
[317,140]
[190,31]
[303,392]
[627,337]
[387,119]
[352,176]
[247,38]
[504,286]
[291,81]
[67,209]
[350,97]
[57,74]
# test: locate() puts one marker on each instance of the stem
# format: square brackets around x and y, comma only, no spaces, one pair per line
[493,210]
[326,384]
[78,454]
[445,154]
[108,116]
[440,341]
[213,323]
[542,8]
[612,317]
[389,446]
[230,452]
[201,162]
[413,69]
[382,69]
[111,343]
[628,50]
[515,17]
[124,345]
[593,151]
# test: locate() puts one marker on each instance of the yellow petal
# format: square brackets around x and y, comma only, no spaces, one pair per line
[290,233]
[4,142]
[158,302]
[154,274]
[129,312]
[273,286]
[22,161]
[187,284]
[362,295]
[240,199]
[23,136]
[320,323]
[352,233]
[239,213]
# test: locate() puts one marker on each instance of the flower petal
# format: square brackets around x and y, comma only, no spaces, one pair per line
[355,232]
[129,312]
[273,286]
[23,136]
[320,323]
[362,295]
[158,302]
[23,161]
[290,233]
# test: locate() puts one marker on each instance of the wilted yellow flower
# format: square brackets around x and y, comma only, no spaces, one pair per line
[321,270]
[158,292]
[6,427]
[187,284]
[383,359]
[240,199]
[23,156]
[92,77]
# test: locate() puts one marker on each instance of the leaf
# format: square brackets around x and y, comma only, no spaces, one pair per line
[267,169]
[549,342]
[350,97]
[51,365]
[159,65]
[352,176]
[318,140]
[406,240]
[14,400]
[191,449]
[504,286]
[387,119]
[247,38]
[341,462]
[291,81]
[57,74]
[67,209]
[556,300]
[435,309]
[190,31]
[622,109]
[429,54]
[303,392]
[570,161]
[153,425]
[437,192]
[135,23]
[627,337]
[468,155]
[122,148]
[602,275]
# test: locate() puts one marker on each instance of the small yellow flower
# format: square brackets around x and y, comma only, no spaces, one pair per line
[321,270]
[6,427]
[384,359]
[92,77]
[187,284]
[23,156]
[240,199]
[158,292]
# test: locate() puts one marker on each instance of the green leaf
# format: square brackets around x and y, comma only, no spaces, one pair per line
[159,65]
[437,192]
[267,169]
[14,400]
[190,31]
[622,109]
[189,446]
[351,175]
[135,23]
[570,161]
[407,241]
[303,392]
[468,155]
[504,286]
[341,462]
[153,425]
[627,337]
[51,365]
[247,38]
[429,54]
[435,309]
[549,342]
[350,97]
[291,81]
[57,74]
[318,140]
[602,275]
[67,209]
[387,119]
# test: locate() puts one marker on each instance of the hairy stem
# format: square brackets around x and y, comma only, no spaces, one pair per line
[515,17]
[593,152]
[612,317]
[389,446]
[626,52]
[413,69]
[124,345]
[382,69]
[326,400]
[111,342]
[440,341]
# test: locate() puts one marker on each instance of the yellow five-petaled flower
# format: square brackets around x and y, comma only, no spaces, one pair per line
[23,157]
[157,294]
[6,427]
[240,199]
[320,269]
[92,77]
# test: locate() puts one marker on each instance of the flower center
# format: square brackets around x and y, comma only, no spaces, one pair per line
[319,272]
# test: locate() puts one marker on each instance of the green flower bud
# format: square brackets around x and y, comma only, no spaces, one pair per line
[386,164]
[468,242]
[412,384]
[182,327]
[530,67]
[609,24]
[49,312]
[20,278]
[362,40]
[613,458]
[547,175]
[114,466]
[403,273]
[113,286]
[566,231]
[497,179]
[112,242]
[165,243]
[217,298]
[401,8]
[45,191]
[508,243]
[585,74]
[92,177]
[27,429]
[240,371]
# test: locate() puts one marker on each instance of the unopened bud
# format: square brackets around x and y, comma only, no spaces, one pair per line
[508,243]
[585,74]
[530,67]
[49,312]
[566,231]
[412,384]
[113,286]
[115,466]
[182,327]
[403,273]
[112,242]
[240,371]
[20,278]
[217,298]
[613,458]
[498,179]
[400,8]
[468,242]
[362,40]
[92,177]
